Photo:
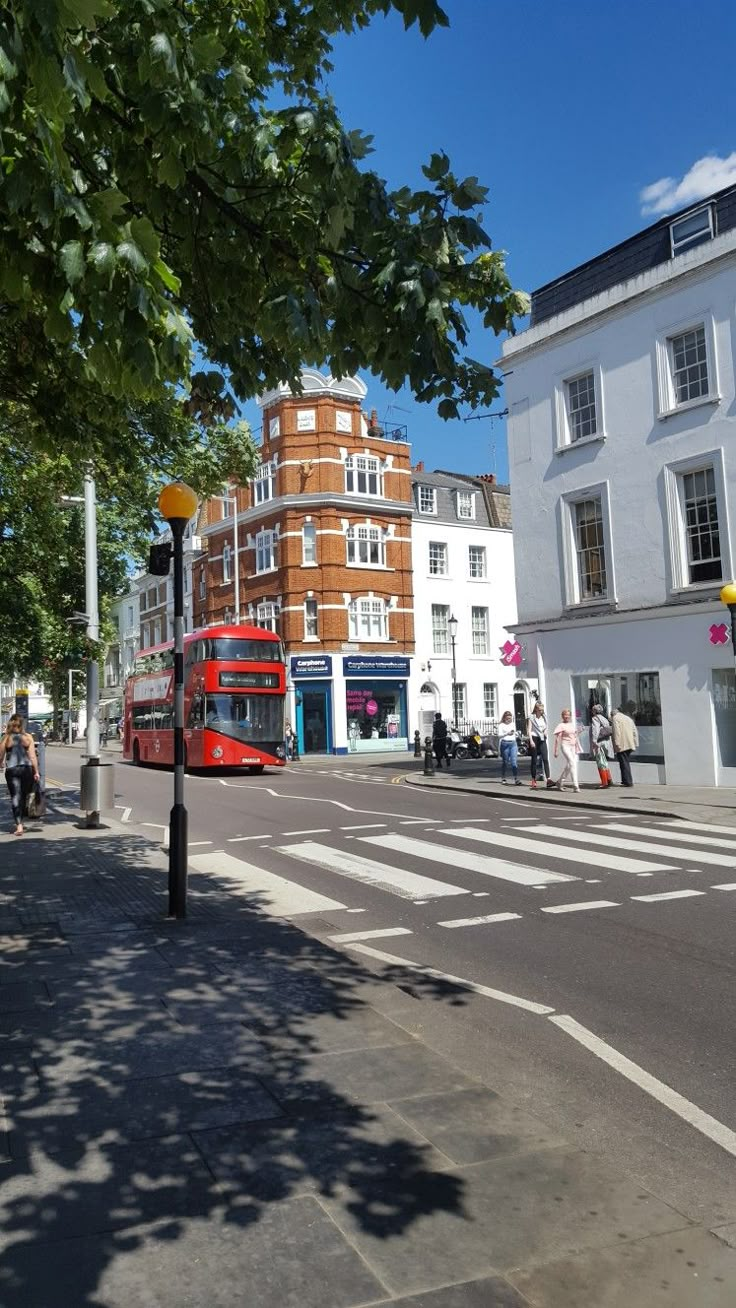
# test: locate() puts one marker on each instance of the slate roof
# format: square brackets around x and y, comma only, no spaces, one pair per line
[492,501]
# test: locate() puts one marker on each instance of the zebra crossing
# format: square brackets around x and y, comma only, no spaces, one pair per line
[465,860]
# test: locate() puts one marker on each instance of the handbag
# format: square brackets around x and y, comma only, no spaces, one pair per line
[37,801]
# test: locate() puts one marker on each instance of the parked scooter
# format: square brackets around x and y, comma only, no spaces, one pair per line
[469,746]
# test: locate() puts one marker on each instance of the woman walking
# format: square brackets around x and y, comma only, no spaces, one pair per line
[600,732]
[566,740]
[537,732]
[509,748]
[18,753]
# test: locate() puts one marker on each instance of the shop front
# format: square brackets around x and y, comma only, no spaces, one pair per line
[375,702]
[312,681]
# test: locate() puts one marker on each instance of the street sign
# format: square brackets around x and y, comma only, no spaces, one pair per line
[511,654]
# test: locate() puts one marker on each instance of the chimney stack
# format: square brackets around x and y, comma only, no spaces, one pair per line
[419,467]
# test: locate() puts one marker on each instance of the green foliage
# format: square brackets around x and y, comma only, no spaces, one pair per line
[153,194]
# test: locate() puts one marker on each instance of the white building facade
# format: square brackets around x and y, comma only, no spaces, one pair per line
[463,567]
[622,448]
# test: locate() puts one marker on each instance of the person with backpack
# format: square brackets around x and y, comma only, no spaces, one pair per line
[18,753]
[600,733]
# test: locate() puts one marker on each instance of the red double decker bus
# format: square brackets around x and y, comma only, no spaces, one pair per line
[234,699]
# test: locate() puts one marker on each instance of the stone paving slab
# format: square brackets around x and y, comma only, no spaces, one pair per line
[490,1292]
[366,1076]
[96,1190]
[163,1053]
[511,1212]
[16,996]
[290,1256]
[473,1125]
[683,1270]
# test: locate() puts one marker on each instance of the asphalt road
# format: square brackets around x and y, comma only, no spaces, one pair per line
[629,933]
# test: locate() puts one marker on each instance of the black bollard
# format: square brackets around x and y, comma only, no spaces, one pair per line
[417,745]
[428,759]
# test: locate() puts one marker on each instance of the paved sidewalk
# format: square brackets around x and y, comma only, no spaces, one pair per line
[693,804]
[228,1112]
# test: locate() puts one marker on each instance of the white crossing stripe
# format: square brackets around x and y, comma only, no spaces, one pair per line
[269,893]
[480,921]
[397,881]
[681,837]
[568,852]
[681,825]
[491,867]
[641,847]
[579,908]
[729,885]
[349,937]
[668,894]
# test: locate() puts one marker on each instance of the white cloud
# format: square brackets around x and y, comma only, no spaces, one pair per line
[707,175]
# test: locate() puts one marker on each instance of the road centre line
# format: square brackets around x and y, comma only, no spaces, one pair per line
[658,1090]
[319,799]
[359,826]
[516,1001]
[570,853]
[639,847]
[310,831]
[349,937]
[578,908]
[682,836]
[480,921]
[668,894]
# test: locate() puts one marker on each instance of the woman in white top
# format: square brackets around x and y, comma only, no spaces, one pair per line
[508,747]
[537,731]
[567,740]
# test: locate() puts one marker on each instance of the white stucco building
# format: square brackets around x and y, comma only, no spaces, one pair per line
[622,447]
[463,567]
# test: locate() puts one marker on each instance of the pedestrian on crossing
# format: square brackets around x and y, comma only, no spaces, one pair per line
[537,731]
[509,748]
[625,740]
[600,734]
[567,741]
[439,740]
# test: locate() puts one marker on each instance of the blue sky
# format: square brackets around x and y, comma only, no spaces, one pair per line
[566,110]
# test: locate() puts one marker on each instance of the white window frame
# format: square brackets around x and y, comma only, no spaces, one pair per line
[667,397]
[698,238]
[227,555]
[364,613]
[268,613]
[202,585]
[483,574]
[311,618]
[264,483]
[480,647]
[459,701]
[432,569]
[366,466]
[600,490]
[469,498]
[360,538]
[563,433]
[673,475]
[311,529]
[266,551]
[440,634]
[274,427]
[490,701]
[430,508]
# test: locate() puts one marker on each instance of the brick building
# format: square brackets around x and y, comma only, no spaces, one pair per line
[323,556]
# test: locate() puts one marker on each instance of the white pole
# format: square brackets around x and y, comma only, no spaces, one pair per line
[237,560]
[69,723]
[93,616]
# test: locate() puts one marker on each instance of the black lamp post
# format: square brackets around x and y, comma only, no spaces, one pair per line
[177,503]
[452,625]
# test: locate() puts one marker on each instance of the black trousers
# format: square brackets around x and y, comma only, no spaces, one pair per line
[20,785]
[440,752]
[623,757]
[539,752]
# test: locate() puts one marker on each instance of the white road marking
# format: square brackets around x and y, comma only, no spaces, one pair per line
[397,881]
[596,881]
[643,874]
[419,903]
[728,885]
[668,894]
[515,1000]
[269,893]
[194,843]
[682,825]
[413,822]
[475,819]
[310,831]
[348,937]
[480,921]
[126,812]
[321,799]
[358,826]
[681,836]
[481,894]
[235,840]
[579,908]
[638,846]
[664,1094]
[356,910]
[567,852]
[491,867]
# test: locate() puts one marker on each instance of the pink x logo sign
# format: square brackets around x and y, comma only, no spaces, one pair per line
[719,633]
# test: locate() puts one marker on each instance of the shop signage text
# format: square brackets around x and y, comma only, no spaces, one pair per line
[318,665]
[368,665]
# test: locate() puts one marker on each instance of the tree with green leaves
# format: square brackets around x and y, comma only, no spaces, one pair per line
[176,173]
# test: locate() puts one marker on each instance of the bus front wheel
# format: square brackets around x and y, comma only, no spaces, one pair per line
[257,770]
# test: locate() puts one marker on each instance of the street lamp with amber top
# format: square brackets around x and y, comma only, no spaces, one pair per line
[177,503]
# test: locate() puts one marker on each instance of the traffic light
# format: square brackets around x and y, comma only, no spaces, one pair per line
[159,559]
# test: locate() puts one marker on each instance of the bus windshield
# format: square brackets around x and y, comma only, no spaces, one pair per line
[235,649]
[246,717]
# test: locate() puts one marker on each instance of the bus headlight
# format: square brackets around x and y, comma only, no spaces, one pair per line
[280,751]
[218,751]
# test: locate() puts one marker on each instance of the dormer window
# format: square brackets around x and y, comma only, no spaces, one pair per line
[466,506]
[692,230]
[427,499]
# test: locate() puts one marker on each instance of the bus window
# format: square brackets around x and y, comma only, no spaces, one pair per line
[196,711]
[235,649]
